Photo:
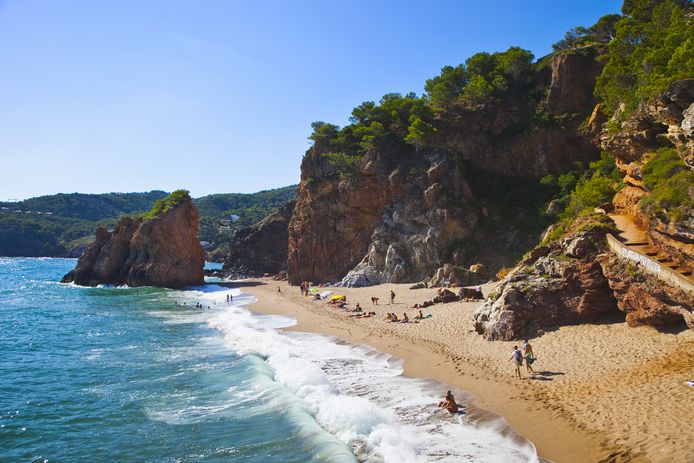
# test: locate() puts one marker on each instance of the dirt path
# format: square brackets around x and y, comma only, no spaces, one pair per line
[628,229]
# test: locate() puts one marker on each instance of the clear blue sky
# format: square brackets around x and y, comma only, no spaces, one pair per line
[218,96]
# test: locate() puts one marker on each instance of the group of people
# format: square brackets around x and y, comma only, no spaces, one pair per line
[394,318]
[304,287]
[229,298]
[526,354]
[405,319]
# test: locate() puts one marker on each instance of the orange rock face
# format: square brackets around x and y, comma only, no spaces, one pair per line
[163,251]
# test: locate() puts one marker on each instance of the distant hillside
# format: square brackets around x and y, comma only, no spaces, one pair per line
[56,224]
[88,206]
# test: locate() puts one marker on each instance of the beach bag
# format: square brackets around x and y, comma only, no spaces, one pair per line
[530,359]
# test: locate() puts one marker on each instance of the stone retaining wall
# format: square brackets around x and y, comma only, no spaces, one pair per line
[663,272]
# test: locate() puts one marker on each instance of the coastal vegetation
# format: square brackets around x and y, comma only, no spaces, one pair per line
[668,181]
[164,205]
[653,46]
[54,225]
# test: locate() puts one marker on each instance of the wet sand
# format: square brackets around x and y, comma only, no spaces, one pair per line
[606,392]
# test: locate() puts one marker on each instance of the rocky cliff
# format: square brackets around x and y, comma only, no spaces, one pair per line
[666,122]
[262,247]
[160,251]
[403,213]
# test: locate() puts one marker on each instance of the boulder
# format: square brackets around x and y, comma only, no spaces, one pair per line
[580,246]
[528,303]
[554,207]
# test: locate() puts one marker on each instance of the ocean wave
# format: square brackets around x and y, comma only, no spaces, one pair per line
[359,396]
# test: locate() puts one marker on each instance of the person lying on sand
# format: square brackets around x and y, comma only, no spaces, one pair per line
[364,315]
[449,403]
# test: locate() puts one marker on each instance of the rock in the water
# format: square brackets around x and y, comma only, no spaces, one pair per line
[160,251]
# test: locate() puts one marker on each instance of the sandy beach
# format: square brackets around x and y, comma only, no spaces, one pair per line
[606,392]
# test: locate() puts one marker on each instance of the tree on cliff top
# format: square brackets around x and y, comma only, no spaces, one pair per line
[653,47]
[482,77]
[602,31]
[166,204]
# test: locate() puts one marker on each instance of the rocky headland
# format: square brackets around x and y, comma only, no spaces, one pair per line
[160,249]
[405,212]
[475,186]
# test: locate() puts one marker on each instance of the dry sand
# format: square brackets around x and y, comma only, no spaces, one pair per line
[608,392]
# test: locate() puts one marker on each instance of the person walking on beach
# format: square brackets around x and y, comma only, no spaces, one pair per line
[279,290]
[517,358]
[529,356]
[392,297]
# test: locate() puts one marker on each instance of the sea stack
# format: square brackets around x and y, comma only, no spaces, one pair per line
[160,248]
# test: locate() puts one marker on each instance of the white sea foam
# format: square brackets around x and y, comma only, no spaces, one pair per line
[353,392]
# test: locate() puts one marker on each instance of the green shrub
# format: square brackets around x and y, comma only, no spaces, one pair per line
[668,180]
[596,186]
[165,204]
[346,164]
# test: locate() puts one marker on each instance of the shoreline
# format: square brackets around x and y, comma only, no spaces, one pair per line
[586,407]
[430,362]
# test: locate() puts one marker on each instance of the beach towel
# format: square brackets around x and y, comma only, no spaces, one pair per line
[325,294]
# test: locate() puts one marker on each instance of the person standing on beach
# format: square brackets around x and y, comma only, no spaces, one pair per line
[529,356]
[517,358]
[392,297]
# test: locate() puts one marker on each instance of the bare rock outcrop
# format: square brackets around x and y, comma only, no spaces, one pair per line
[573,81]
[162,251]
[665,121]
[565,286]
[262,247]
[644,298]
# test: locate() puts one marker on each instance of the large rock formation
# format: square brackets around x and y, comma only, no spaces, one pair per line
[558,285]
[404,213]
[162,251]
[262,247]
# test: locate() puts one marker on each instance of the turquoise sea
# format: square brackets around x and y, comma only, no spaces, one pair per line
[119,374]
